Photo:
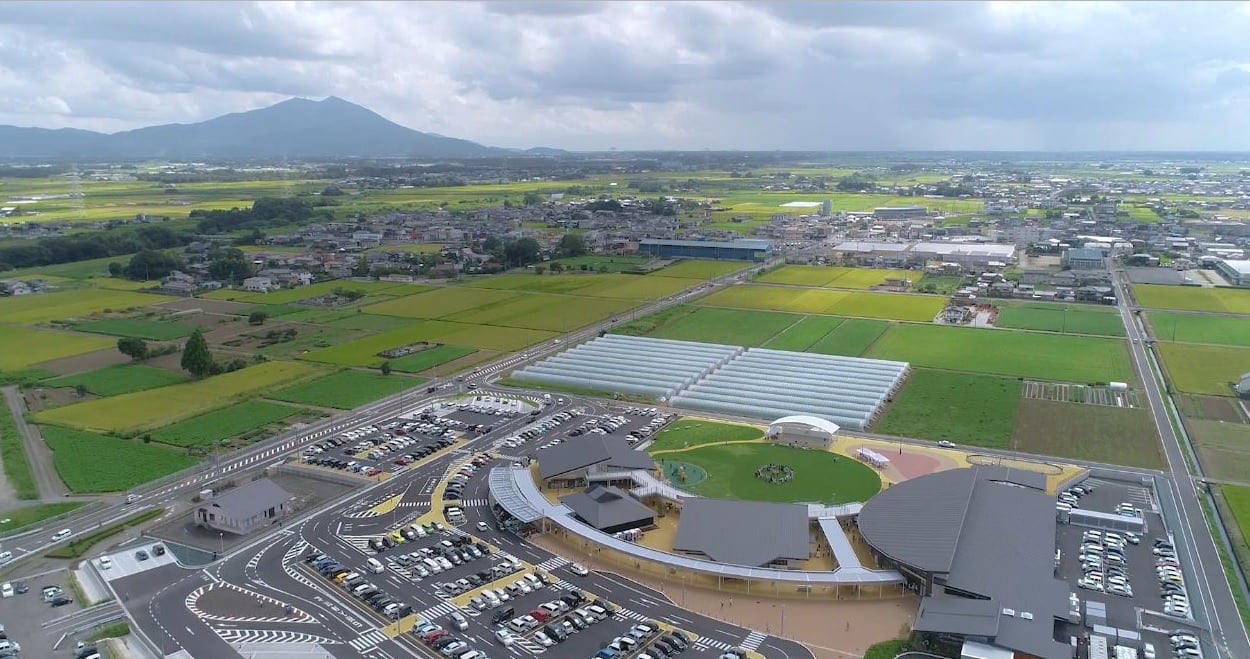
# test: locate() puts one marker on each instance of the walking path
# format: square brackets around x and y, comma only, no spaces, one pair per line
[37,452]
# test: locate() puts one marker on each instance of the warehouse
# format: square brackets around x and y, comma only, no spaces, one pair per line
[743,249]
[978,544]
[906,255]
[1236,272]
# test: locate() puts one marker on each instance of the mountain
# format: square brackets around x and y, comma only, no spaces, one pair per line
[295,128]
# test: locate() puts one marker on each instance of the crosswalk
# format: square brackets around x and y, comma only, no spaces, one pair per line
[467,503]
[413,504]
[271,636]
[442,609]
[753,640]
[705,643]
[359,542]
[552,563]
[368,640]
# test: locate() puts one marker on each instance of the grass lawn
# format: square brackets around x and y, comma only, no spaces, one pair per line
[147,410]
[1018,354]
[706,270]
[345,390]
[804,334]
[207,429]
[438,303]
[121,379]
[364,352]
[142,328]
[64,305]
[1193,298]
[819,476]
[1224,448]
[886,306]
[1200,369]
[89,463]
[851,338]
[1069,319]
[727,326]
[694,432]
[23,347]
[966,409]
[1194,328]
[428,359]
[17,518]
[1115,435]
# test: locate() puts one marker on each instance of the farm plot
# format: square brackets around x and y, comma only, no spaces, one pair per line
[635,287]
[430,358]
[818,475]
[804,334]
[146,410]
[1224,449]
[319,289]
[23,347]
[143,328]
[439,303]
[65,305]
[544,312]
[1018,354]
[566,284]
[1192,298]
[209,429]
[345,390]
[1198,369]
[89,463]
[890,306]
[1065,319]
[705,270]
[727,326]
[1115,435]
[606,263]
[851,338]
[364,352]
[1194,328]
[833,277]
[117,380]
[979,410]
[885,306]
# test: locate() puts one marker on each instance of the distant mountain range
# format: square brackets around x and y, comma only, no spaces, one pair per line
[295,128]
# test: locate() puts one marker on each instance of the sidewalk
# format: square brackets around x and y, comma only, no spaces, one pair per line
[93,588]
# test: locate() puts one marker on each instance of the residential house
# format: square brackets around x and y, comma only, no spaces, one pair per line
[259,284]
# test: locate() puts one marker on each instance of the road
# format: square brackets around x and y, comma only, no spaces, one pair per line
[1212,585]
[40,458]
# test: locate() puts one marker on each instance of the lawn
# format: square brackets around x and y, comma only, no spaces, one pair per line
[438,303]
[23,347]
[1195,328]
[1198,369]
[966,409]
[78,303]
[851,338]
[726,326]
[695,432]
[364,352]
[207,429]
[819,476]
[805,333]
[147,410]
[117,380]
[430,358]
[544,312]
[1115,435]
[886,306]
[834,277]
[142,328]
[1193,298]
[89,463]
[16,518]
[705,270]
[1018,354]
[1069,319]
[345,390]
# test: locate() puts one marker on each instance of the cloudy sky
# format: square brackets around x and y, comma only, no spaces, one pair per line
[719,75]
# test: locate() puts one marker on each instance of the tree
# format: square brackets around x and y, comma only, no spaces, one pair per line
[134,348]
[196,359]
[257,318]
[385,368]
[230,265]
[361,269]
[572,244]
[532,199]
[521,252]
[152,264]
[116,269]
[80,390]
[557,267]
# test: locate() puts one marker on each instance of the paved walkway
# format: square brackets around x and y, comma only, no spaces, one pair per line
[37,452]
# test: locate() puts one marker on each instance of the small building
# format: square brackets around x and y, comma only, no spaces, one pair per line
[1236,272]
[1084,258]
[609,509]
[258,284]
[811,432]
[733,250]
[607,460]
[245,509]
[748,533]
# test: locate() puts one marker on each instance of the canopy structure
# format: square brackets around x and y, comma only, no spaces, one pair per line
[803,421]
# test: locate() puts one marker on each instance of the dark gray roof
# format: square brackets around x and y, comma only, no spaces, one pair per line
[604,507]
[249,500]
[750,533]
[988,531]
[612,452]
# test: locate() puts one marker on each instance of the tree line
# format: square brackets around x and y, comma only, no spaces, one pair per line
[90,245]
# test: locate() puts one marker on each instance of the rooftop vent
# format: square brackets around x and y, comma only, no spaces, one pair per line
[1025,615]
[1011,613]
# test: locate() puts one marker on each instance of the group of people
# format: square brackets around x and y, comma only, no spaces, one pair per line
[775,474]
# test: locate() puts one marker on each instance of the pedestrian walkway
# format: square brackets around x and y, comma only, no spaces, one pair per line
[368,640]
[552,563]
[467,503]
[753,640]
[235,636]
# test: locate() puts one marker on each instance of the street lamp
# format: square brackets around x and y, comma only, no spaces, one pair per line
[221,535]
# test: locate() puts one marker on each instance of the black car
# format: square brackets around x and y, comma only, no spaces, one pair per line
[141,555]
[676,642]
[158,550]
[20,587]
[61,600]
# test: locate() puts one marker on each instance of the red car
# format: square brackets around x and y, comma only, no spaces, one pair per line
[540,615]
[433,636]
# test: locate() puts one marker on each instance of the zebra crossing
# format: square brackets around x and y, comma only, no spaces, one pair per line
[359,542]
[368,639]
[467,503]
[236,636]
[413,504]
[552,563]
[443,609]
[753,640]
[705,643]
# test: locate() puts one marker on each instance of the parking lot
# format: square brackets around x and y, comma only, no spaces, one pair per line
[634,424]
[30,608]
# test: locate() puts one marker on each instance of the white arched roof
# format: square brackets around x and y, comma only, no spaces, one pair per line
[813,421]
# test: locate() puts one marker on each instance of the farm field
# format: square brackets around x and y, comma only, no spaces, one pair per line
[610,263]
[208,429]
[833,277]
[152,330]
[705,270]
[1224,449]
[544,312]
[818,476]
[117,380]
[851,338]
[1193,298]
[727,326]
[1114,435]
[1196,328]
[439,303]
[364,352]
[430,358]
[24,347]
[885,306]
[87,462]
[64,305]
[365,322]
[627,287]
[1018,354]
[695,432]
[16,518]
[804,334]
[345,390]
[289,295]
[1061,318]
[410,248]
[147,410]
[978,410]
[1198,369]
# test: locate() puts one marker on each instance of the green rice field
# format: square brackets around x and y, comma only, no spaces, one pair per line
[706,270]
[885,306]
[208,429]
[430,358]
[143,328]
[1201,369]
[851,338]
[364,352]
[804,334]
[978,410]
[1193,298]
[117,380]
[89,463]
[66,305]
[345,390]
[1065,319]
[544,312]
[24,347]
[1196,328]
[439,303]
[319,289]
[833,277]
[727,326]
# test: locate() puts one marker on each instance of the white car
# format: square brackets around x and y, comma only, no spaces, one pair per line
[946,444]
[105,562]
[483,526]
[544,640]
[6,591]
[579,569]
[504,637]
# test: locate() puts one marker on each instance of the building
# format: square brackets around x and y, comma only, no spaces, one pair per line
[919,254]
[609,509]
[1084,258]
[811,432]
[748,533]
[596,458]
[734,250]
[245,509]
[258,284]
[899,212]
[1243,386]
[979,546]
[1236,272]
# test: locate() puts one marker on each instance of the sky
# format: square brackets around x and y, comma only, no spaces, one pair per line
[1084,76]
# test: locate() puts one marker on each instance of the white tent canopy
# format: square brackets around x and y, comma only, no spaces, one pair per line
[812,422]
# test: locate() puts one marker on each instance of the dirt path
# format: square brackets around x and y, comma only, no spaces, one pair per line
[37,452]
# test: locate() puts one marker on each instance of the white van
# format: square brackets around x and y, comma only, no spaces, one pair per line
[375,566]
[61,535]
